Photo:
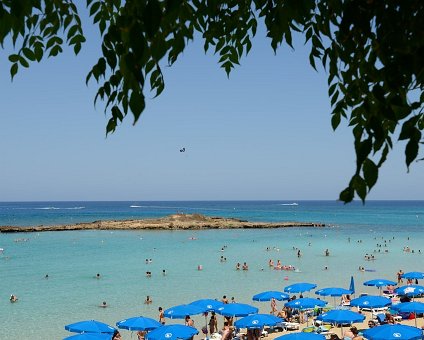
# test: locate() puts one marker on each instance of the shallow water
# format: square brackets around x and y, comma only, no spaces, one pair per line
[72,260]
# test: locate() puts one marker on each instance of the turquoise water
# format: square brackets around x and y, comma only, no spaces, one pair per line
[72,259]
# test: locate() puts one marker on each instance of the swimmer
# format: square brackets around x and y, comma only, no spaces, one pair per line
[97,276]
[163,272]
[13,298]
[103,305]
[148,300]
[47,276]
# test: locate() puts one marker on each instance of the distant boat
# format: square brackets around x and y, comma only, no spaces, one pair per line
[292,204]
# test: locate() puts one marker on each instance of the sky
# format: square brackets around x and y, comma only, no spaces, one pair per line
[263,134]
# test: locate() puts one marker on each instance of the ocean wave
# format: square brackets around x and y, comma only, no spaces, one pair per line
[57,208]
[137,206]
[291,204]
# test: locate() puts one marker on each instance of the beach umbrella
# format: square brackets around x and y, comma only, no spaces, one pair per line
[410,307]
[172,332]
[300,287]
[341,316]
[413,275]
[257,321]
[181,311]
[237,309]
[371,301]
[411,290]
[90,336]
[333,291]
[379,283]
[208,305]
[393,332]
[138,323]
[90,326]
[352,285]
[305,303]
[269,295]
[301,336]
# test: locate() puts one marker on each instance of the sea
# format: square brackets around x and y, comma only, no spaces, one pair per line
[54,274]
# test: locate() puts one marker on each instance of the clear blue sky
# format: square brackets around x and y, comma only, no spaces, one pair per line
[265,133]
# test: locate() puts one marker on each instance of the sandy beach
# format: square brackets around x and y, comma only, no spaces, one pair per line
[336,330]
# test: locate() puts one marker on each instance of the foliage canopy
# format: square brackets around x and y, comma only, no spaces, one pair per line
[372,51]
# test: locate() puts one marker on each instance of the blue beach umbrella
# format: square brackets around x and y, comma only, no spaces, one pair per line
[411,290]
[333,291]
[172,332]
[410,307]
[301,336]
[299,287]
[90,326]
[138,323]
[352,285]
[90,336]
[379,283]
[305,303]
[393,332]
[181,311]
[413,275]
[341,317]
[269,295]
[257,321]
[371,301]
[237,309]
[208,305]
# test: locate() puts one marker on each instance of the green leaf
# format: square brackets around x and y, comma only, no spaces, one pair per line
[14,70]
[23,62]
[412,147]
[28,54]
[152,17]
[94,8]
[347,195]
[370,173]
[335,120]
[38,52]
[13,58]
[111,126]
[137,104]
[360,187]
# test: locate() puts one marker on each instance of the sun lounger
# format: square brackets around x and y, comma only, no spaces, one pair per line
[291,326]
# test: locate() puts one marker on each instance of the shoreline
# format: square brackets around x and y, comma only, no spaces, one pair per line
[171,222]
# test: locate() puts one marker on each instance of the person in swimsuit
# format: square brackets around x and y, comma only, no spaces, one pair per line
[161,316]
